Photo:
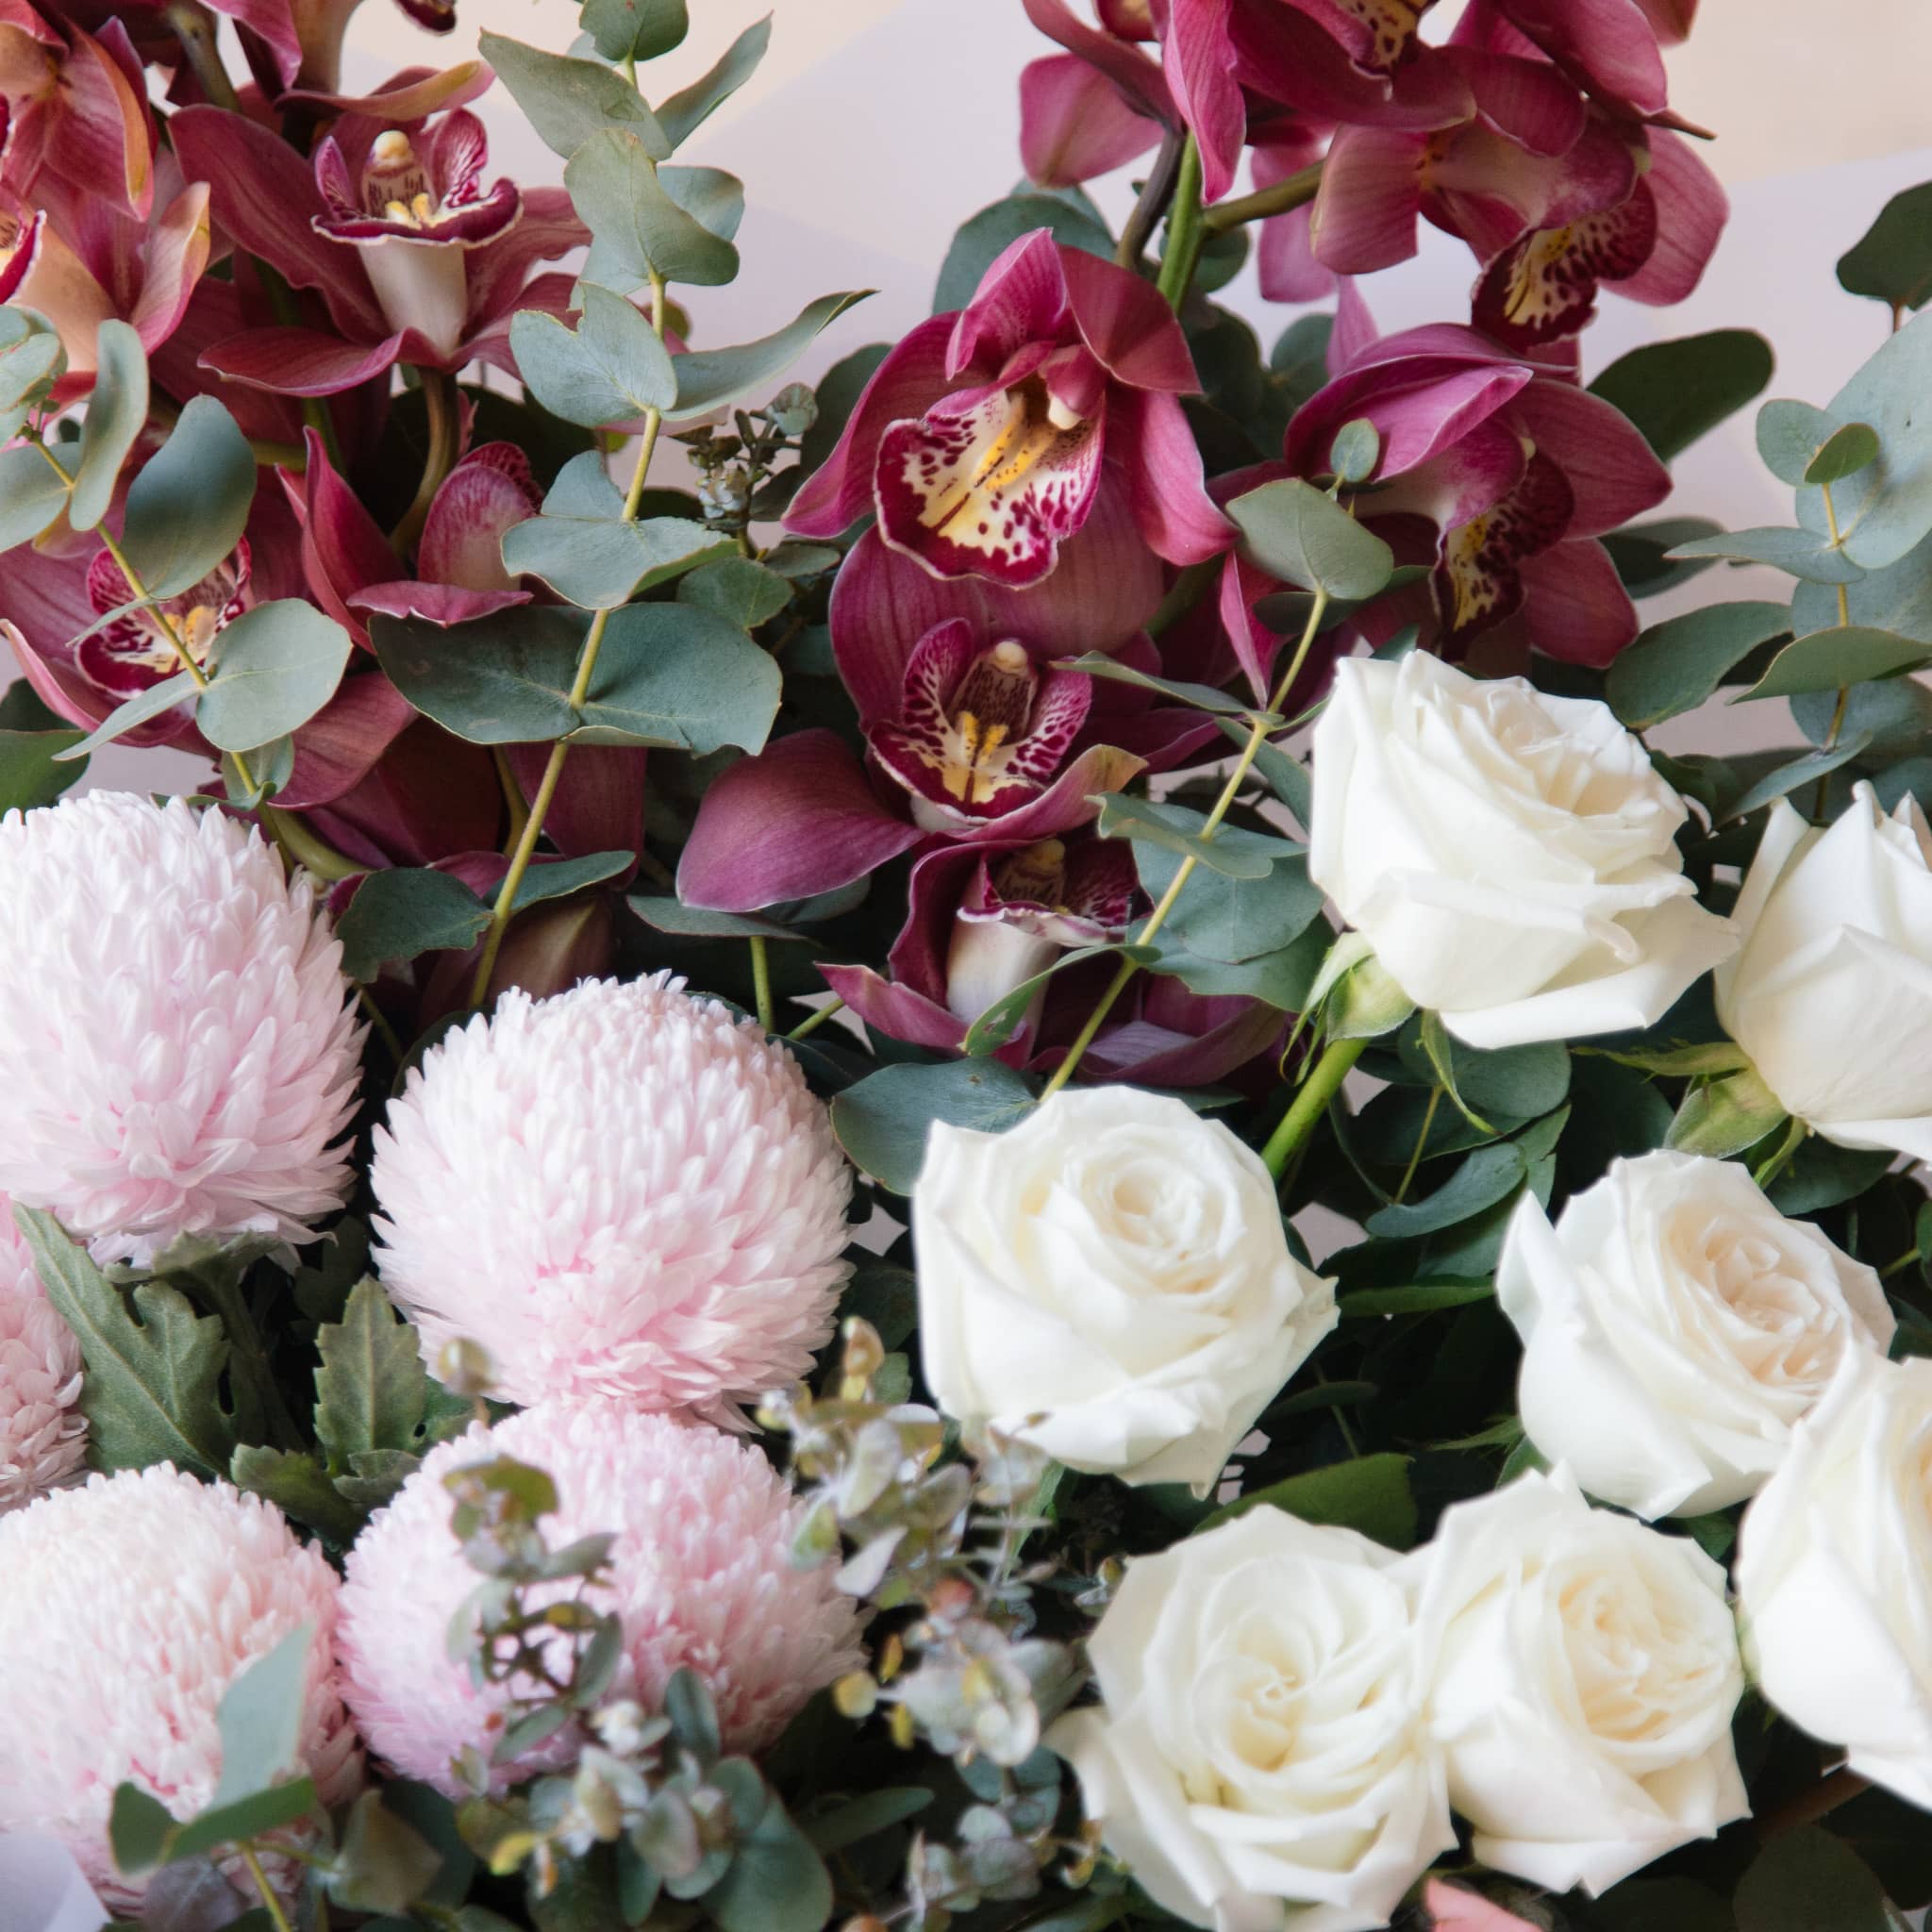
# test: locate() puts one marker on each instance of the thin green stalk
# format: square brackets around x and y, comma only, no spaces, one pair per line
[186,657]
[1184,230]
[814,1021]
[761,980]
[300,842]
[1257,736]
[579,690]
[1324,1082]
[1900,1265]
[384,1031]
[1844,692]
[1422,1141]
[1297,191]
[279,1918]
[441,399]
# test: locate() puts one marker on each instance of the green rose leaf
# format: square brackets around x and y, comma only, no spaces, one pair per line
[1371,1494]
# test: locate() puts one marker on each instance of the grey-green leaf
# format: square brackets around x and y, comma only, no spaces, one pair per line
[399,913]
[1842,453]
[1790,434]
[983,237]
[567,101]
[1798,553]
[637,225]
[1842,654]
[32,772]
[31,495]
[610,368]
[674,675]
[882,1122]
[189,506]
[709,378]
[1371,1494]
[635,29]
[1679,390]
[736,589]
[1674,666]
[116,415]
[1297,533]
[681,114]
[277,666]
[1232,852]
[261,1718]
[1232,919]
[599,563]
[138,709]
[503,680]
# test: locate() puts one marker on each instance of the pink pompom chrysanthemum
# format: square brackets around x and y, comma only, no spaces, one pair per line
[618,1191]
[129,1606]
[701,1578]
[178,1049]
[42,1432]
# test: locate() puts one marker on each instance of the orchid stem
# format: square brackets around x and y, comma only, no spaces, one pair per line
[1311,1102]
[579,690]
[761,981]
[197,676]
[271,1904]
[1257,736]
[814,1021]
[1295,192]
[442,401]
[1157,193]
[1184,230]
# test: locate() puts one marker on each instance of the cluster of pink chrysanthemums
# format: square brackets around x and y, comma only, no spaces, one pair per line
[628,1197]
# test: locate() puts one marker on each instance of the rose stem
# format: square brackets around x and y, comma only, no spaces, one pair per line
[1324,1081]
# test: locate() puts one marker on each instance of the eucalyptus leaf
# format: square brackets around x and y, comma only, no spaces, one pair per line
[636,223]
[1357,450]
[275,667]
[1295,532]
[1843,454]
[736,589]
[983,237]
[1676,665]
[1232,852]
[681,114]
[1790,435]
[503,680]
[1490,1175]
[261,1719]
[1791,778]
[189,506]
[129,712]
[32,495]
[1678,392]
[694,921]
[116,415]
[33,771]
[1201,697]
[567,101]
[1798,553]
[882,1122]
[611,368]
[1234,919]
[599,563]
[1832,658]
[1641,553]
[1891,262]
[405,911]
[635,29]
[675,676]
[709,378]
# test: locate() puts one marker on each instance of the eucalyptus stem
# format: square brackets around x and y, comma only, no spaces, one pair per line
[1184,230]
[300,842]
[1257,736]
[761,980]
[1321,1085]
[271,1904]
[197,676]
[444,405]
[587,665]
[1422,1141]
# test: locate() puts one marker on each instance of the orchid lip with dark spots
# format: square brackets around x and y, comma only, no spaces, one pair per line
[134,652]
[979,731]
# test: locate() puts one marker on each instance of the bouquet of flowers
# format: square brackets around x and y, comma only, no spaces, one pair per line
[1006,1157]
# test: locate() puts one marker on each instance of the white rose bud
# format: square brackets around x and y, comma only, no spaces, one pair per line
[1834,1574]
[1508,855]
[1261,1764]
[1831,991]
[1583,1670]
[1675,1327]
[1111,1282]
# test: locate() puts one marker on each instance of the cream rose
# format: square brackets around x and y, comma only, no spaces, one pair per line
[1834,1574]
[1110,1281]
[1582,1673]
[1260,1763]
[1831,991]
[1675,1326]
[1509,856]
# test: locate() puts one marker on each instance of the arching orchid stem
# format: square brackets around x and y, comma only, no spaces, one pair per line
[197,676]
[445,440]
[313,854]
[1257,736]
[1185,233]
[814,1021]
[1156,192]
[1320,1087]
[1294,192]
[761,981]
[580,689]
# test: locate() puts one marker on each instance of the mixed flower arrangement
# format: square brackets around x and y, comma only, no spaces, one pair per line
[1013,1162]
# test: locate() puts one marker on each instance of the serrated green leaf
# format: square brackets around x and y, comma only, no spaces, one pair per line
[189,506]
[371,1385]
[567,101]
[116,415]
[1295,532]
[709,378]
[275,667]
[297,1484]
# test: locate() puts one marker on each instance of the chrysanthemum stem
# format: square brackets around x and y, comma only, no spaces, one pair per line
[271,1904]
[1320,1087]
[761,981]
[196,674]
[581,688]
[1184,230]
[1257,736]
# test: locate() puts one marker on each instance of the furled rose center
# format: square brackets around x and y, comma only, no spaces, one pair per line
[1788,1334]
[1005,444]
[1262,1693]
[988,719]
[1636,1664]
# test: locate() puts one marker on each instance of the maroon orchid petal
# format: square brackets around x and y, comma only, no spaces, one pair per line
[301,362]
[1214,1039]
[1199,62]
[22,229]
[499,272]
[599,802]
[437,604]
[798,818]
[1156,449]
[1255,645]
[1363,217]
[1528,101]
[1121,318]
[1691,210]
[1377,35]
[344,550]
[1137,77]
[265,197]
[62,687]
[1068,802]
[411,96]
[1106,587]
[1607,46]
[427,797]
[1612,473]
[490,491]
[896,1011]
[1472,474]
[1284,251]
[1074,123]
[1479,579]
[1286,57]
[1022,299]
[338,747]
[910,379]
[177,252]
[1419,408]
[991,489]
[102,139]
[1576,606]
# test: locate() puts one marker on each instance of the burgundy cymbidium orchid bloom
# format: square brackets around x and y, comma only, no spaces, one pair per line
[414,260]
[1519,471]
[133,651]
[986,439]
[77,111]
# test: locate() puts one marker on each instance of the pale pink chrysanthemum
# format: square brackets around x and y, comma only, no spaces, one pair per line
[128,1606]
[177,1047]
[42,1432]
[701,1578]
[621,1191]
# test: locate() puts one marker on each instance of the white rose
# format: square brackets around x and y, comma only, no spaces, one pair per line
[1261,1764]
[1675,1326]
[1831,991]
[1582,1675]
[1834,1574]
[1509,856]
[1110,1281]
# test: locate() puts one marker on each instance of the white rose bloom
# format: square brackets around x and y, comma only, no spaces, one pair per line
[1834,1574]
[1261,1764]
[1675,1326]
[1110,1281]
[1508,855]
[1582,1675]
[1831,991]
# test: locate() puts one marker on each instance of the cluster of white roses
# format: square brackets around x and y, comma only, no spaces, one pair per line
[1289,1713]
